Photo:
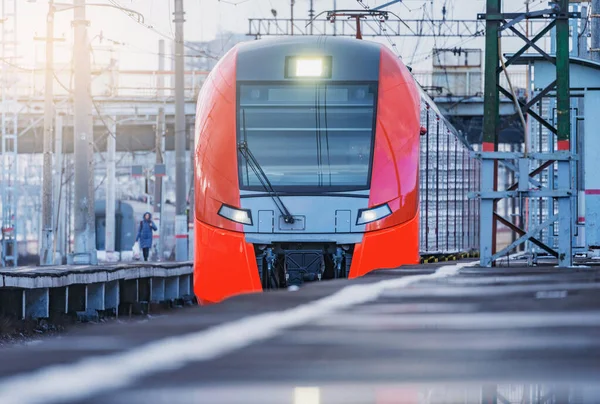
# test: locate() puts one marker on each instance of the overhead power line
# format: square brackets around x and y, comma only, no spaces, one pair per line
[166,36]
[383,28]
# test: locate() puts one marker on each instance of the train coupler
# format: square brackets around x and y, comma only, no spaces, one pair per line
[304,266]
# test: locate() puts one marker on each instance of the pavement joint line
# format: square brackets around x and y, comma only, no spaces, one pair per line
[100,374]
[464,291]
[490,320]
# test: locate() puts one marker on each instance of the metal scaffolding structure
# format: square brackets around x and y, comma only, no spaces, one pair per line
[530,164]
[8,112]
[370,27]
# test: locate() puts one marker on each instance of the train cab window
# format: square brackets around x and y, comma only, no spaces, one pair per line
[308,136]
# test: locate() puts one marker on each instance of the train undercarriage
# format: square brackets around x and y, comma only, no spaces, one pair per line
[281,265]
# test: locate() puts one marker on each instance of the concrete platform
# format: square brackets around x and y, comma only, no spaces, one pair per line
[434,333]
[37,292]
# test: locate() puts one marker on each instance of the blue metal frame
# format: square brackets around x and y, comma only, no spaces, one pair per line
[520,163]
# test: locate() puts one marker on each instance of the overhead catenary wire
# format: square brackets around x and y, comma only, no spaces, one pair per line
[429,19]
[64,82]
[587,20]
[15,66]
[139,50]
[383,29]
[514,95]
[436,53]
[428,55]
[113,135]
[421,57]
[412,58]
[163,35]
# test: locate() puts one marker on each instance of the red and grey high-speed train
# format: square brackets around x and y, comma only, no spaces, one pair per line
[307,166]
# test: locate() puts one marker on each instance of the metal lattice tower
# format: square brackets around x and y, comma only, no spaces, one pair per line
[545,174]
[8,113]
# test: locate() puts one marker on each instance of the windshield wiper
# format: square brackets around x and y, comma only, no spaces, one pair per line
[264,180]
[262,177]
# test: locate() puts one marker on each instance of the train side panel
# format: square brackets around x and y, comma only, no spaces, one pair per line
[227,261]
[392,241]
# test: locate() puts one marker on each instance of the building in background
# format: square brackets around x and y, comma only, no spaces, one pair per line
[455,82]
[208,53]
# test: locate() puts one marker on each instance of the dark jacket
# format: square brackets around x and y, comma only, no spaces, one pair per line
[145,232]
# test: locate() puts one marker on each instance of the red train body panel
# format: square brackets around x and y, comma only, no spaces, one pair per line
[395,173]
[219,243]
[246,239]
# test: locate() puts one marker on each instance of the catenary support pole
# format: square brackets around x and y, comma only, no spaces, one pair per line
[311,14]
[85,240]
[47,245]
[158,182]
[334,24]
[59,192]
[563,112]
[181,226]
[584,53]
[91,194]
[160,80]
[111,170]
[490,130]
[160,149]
[595,29]
[292,16]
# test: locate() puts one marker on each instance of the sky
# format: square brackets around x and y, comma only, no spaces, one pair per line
[206,18]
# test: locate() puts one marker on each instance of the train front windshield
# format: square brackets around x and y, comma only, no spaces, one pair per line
[308,136]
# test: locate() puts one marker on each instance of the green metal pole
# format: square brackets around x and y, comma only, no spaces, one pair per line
[562,76]
[563,107]
[491,95]
[491,121]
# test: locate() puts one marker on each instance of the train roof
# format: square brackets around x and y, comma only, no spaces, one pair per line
[253,55]
[268,59]
[308,41]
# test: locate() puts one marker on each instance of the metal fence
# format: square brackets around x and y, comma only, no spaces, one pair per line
[449,219]
[540,209]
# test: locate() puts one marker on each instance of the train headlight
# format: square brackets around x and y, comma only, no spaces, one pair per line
[243,216]
[308,67]
[373,214]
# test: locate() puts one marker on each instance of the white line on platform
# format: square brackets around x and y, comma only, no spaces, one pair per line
[96,375]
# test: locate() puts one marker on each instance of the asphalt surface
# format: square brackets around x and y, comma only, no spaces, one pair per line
[395,336]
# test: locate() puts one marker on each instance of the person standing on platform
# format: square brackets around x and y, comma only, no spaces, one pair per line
[144,235]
